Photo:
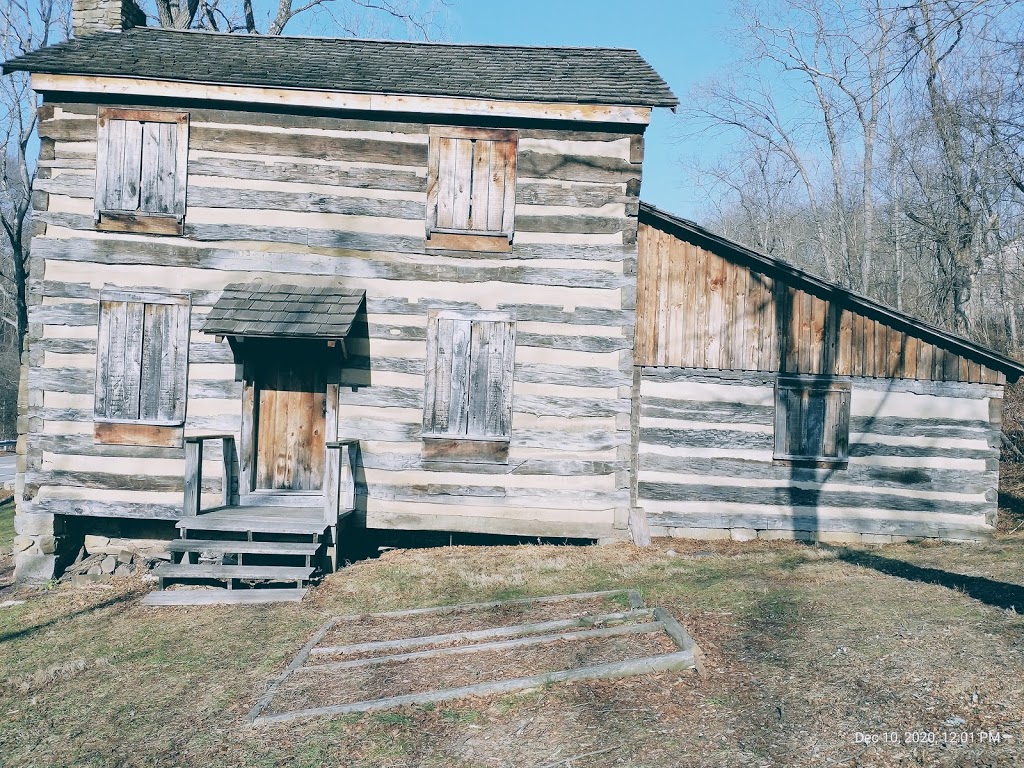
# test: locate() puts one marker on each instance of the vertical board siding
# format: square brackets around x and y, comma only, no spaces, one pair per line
[697,309]
[920,465]
[317,200]
[291,425]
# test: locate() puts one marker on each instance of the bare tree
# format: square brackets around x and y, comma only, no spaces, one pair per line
[900,132]
[24,26]
[759,207]
[424,19]
[812,93]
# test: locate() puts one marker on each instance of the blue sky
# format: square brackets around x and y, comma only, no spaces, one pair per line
[681,39]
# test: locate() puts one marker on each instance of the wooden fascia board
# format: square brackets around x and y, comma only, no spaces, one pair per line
[337,100]
[824,289]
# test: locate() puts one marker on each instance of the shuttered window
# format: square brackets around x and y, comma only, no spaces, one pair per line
[142,358]
[141,169]
[470,360]
[471,185]
[812,420]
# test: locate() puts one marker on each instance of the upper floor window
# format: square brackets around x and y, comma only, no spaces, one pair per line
[141,167]
[812,421]
[471,188]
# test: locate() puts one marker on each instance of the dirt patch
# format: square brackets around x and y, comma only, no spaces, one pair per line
[318,657]
[317,689]
[368,629]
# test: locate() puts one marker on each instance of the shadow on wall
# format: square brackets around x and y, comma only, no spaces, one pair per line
[999,594]
[362,543]
[805,480]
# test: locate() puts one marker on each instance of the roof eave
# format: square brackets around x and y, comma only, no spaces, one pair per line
[299,97]
[666,103]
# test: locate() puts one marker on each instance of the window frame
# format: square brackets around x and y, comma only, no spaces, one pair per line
[465,446]
[814,384]
[139,220]
[102,371]
[476,239]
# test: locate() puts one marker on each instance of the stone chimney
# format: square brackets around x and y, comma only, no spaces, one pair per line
[88,16]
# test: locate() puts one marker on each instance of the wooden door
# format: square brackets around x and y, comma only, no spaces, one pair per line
[290,423]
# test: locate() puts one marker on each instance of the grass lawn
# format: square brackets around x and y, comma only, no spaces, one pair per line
[806,648]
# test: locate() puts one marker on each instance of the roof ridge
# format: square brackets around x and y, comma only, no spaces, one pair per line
[383,40]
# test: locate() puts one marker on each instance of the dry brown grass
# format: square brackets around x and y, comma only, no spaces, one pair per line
[30,681]
[805,648]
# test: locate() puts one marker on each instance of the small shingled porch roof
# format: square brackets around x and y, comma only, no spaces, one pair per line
[274,310]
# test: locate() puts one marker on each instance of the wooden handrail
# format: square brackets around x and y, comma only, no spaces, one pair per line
[191,505]
[339,489]
[339,480]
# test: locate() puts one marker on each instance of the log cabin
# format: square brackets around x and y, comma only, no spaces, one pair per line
[281,288]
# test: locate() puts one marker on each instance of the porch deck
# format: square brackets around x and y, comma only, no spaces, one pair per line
[257,519]
[258,537]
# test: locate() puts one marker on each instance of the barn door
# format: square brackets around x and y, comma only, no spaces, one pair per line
[290,424]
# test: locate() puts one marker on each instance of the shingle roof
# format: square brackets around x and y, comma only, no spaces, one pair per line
[291,311]
[613,76]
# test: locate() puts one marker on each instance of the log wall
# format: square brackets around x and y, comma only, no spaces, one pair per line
[924,461]
[324,200]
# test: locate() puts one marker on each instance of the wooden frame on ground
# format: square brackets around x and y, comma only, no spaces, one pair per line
[495,638]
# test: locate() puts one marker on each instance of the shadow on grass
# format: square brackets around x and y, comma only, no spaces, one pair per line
[999,594]
[1011,511]
[124,598]
[771,621]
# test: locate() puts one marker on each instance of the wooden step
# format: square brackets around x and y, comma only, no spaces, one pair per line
[222,547]
[223,597]
[253,572]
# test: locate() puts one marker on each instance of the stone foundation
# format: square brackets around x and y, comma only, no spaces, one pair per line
[104,557]
[47,545]
[150,549]
[822,537]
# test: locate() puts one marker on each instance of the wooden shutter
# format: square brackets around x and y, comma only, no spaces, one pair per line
[812,420]
[142,358]
[119,166]
[492,362]
[165,363]
[836,433]
[471,181]
[158,188]
[119,359]
[470,363]
[141,170]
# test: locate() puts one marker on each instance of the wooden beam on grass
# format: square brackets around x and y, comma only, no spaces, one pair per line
[481,634]
[519,642]
[646,665]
